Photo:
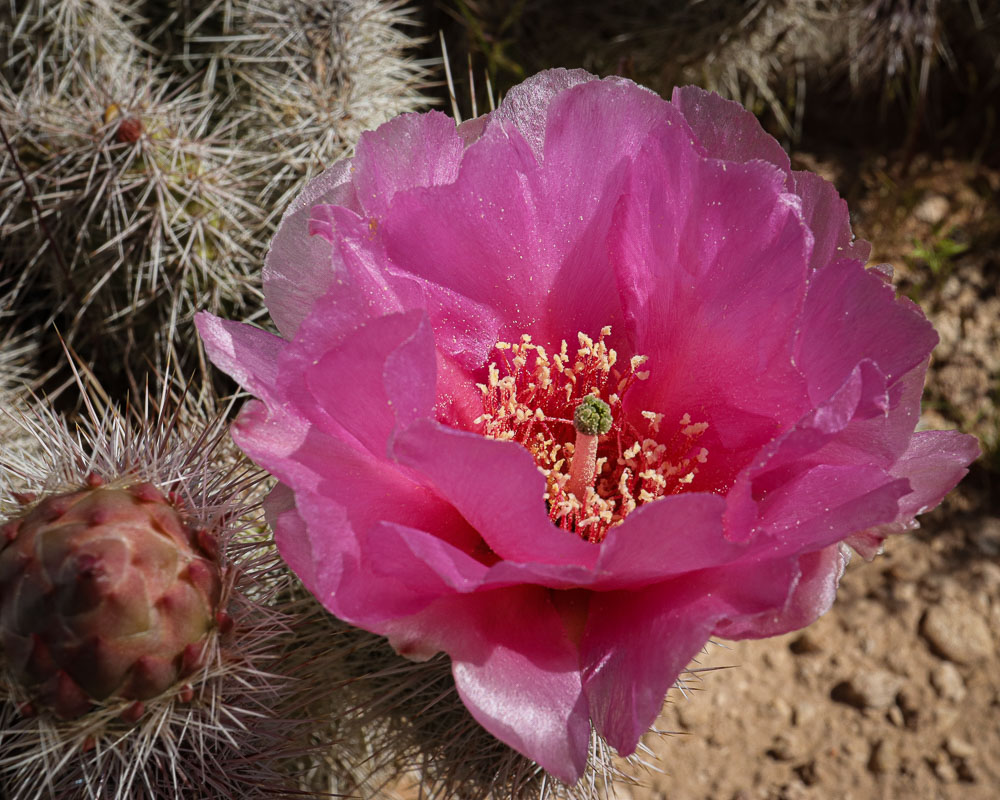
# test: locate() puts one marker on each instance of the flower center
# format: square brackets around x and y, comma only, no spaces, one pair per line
[568,412]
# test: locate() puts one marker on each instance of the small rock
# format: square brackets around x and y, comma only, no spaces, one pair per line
[780,708]
[884,759]
[965,771]
[912,703]
[876,688]
[947,682]
[904,593]
[805,644]
[803,713]
[932,209]
[791,791]
[956,632]
[988,575]
[986,536]
[957,747]
[944,771]
[808,773]
[783,748]
[775,659]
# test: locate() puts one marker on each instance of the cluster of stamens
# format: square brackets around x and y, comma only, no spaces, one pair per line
[594,478]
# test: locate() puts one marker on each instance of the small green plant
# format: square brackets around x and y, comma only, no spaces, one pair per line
[938,253]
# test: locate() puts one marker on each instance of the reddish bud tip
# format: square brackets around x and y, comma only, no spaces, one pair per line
[55,507]
[130,129]
[205,578]
[40,662]
[27,710]
[134,712]
[94,480]
[186,694]
[224,621]
[24,498]
[100,516]
[147,493]
[192,659]
[69,701]
[8,532]
[89,743]
[208,543]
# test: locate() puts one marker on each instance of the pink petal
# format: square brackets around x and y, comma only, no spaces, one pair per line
[592,130]
[862,397]
[408,151]
[636,643]
[412,150]
[711,260]
[934,463]
[827,217]
[290,534]
[472,238]
[526,106]
[422,561]
[245,353]
[397,571]
[361,573]
[503,200]
[815,588]
[496,487]
[669,537]
[369,284]
[297,269]
[856,309]
[863,426]
[818,507]
[342,492]
[345,390]
[673,536]
[363,288]
[515,668]
[726,130]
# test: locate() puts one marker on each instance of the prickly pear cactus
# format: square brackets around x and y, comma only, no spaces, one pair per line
[105,593]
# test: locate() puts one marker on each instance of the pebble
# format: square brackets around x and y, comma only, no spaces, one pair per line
[986,536]
[806,644]
[988,575]
[956,632]
[932,209]
[884,758]
[783,748]
[957,747]
[944,771]
[803,713]
[947,682]
[808,773]
[912,703]
[873,688]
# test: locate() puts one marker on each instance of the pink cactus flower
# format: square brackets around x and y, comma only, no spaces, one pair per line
[569,389]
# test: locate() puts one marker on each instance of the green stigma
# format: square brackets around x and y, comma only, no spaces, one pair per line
[593,416]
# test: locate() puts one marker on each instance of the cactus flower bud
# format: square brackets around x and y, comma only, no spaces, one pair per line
[104,593]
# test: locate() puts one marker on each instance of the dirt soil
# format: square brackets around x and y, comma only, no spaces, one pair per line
[894,693]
